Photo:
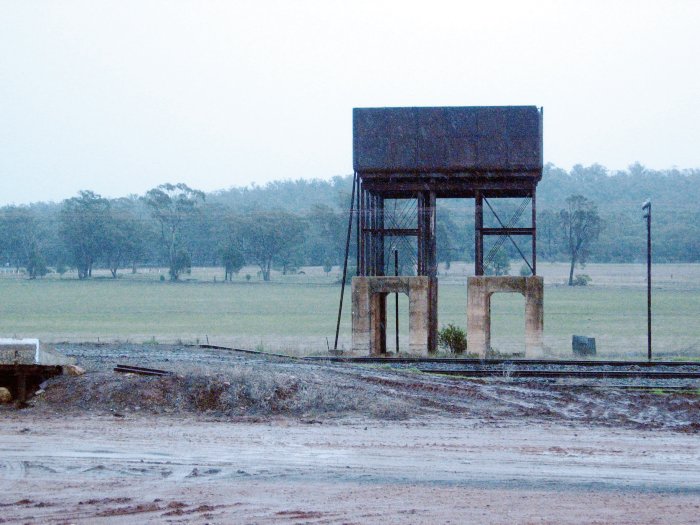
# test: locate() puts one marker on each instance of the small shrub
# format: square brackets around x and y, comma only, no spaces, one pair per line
[247,277]
[452,338]
[525,271]
[581,279]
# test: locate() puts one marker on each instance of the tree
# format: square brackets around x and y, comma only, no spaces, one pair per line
[36,265]
[499,265]
[271,236]
[19,240]
[444,233]
[327,266]
[548,235]
[206,233]
[172,205]
[232,259]
[581,226]
[181,263]
[326,235]
[123,239]
[84,229]
[230,247]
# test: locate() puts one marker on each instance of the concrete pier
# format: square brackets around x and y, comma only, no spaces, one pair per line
[369,312]
[479,292]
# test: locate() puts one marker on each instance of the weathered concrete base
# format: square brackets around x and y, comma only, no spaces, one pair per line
[369,312]
[25,364]
[479,292]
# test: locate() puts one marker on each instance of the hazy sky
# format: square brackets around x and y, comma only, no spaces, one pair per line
[120,96]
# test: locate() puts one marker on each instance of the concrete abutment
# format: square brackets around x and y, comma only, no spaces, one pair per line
[369,312]
[479,292]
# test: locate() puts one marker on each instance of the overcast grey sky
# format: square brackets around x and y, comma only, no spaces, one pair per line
[120,96]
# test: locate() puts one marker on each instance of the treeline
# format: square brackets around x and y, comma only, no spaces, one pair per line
[287,224]
[675,196]
[172,225]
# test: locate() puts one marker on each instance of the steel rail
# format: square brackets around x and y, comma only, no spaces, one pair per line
[498,361]
[128,369]
[463,361]
[594,374]
[676,389]
[244,351]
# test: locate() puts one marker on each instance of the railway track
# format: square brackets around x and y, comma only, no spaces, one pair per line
[502,361]
[669,375]
[676,376]
[584,374]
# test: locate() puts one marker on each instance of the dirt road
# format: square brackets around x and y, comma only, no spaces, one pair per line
[143,469]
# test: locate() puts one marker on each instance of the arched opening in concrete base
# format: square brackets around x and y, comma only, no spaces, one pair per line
[369,312]
[479,292]
[507,337]
[391,321]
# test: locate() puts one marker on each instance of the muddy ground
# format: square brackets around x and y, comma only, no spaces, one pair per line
[237,438]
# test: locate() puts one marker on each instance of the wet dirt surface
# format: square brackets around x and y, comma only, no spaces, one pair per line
[83,469]
[240,384]
[93,449]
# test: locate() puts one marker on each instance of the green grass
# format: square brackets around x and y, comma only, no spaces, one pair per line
[124,308]
[300,311]
[667,392]
[616,317]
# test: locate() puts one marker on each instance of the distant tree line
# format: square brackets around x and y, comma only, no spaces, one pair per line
[171,225]
[585,214]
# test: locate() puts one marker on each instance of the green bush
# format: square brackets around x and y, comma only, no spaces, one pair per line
[452,338]
[581,279]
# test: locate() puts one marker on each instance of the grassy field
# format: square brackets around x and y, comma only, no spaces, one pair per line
[297,313]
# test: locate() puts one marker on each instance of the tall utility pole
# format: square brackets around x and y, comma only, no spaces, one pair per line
[345,261]
[647,215]
[396,298]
